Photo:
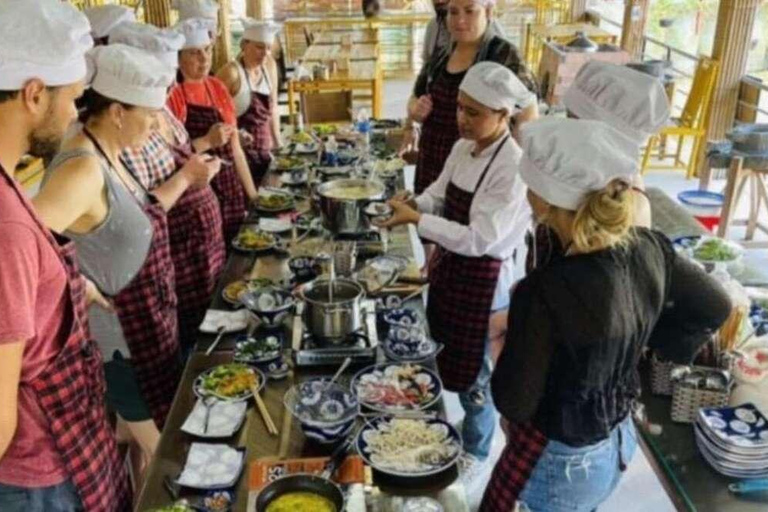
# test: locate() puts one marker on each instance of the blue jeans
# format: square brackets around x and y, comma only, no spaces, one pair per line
[579,479]
[56,498]
[480,413]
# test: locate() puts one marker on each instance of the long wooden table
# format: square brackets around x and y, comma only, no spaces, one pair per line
[253,437]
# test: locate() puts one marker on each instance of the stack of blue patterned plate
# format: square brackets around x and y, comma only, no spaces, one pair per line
[734,440]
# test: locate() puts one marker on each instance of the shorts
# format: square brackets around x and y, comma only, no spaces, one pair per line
[123,392]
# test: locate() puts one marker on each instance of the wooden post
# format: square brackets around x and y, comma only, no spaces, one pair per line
[223,49]
[635,17]
[256,9]
[578,9]
[733,33]
[158,12]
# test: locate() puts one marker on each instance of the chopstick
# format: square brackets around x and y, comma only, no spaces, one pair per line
[216,341]
[271,428]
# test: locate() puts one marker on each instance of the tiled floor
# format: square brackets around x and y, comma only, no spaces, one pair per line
[639,490]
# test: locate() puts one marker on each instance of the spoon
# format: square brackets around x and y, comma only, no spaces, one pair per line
[208,402]
[220,334]
[338,373]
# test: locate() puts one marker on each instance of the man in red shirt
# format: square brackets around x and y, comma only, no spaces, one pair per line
[55,443]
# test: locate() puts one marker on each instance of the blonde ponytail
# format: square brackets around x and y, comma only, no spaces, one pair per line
[604,219]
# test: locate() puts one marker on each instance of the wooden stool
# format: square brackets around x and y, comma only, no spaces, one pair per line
[738,176]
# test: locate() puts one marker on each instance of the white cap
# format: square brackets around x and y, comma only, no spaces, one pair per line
[566,159]
[44,39]
[259,31]
[189,9]
[496,87]
[196,32]
[129,75]
[105,18]
[630,101]
[162,43]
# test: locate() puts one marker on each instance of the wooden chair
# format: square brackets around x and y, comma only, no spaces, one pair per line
[691,123]
[327,107]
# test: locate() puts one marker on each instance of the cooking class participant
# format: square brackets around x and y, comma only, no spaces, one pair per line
[203,104]
[567,378]
[105,18]
[632,102]
[252,82]
[121,235]
[437,38]
[57,448]
[477,215]
[167,161]
[433,102]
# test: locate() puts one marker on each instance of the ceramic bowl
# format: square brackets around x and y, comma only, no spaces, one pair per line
[270,305]
[325,415]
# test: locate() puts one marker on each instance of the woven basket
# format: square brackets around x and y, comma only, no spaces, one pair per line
[686,402]
[661,382]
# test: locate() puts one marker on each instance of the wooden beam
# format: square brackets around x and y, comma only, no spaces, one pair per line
[578,9]
[633,29]
[733,34]
[158,12]
[223,49]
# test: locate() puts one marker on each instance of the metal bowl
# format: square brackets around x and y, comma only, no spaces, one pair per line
[343,211]
[750,138]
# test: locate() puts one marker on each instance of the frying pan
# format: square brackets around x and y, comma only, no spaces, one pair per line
[303,482]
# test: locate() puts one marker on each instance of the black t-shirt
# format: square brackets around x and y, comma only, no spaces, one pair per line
[578,326]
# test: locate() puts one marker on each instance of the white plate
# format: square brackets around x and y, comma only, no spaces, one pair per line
[271,225]
[232,321]
[224,420]
[211,466]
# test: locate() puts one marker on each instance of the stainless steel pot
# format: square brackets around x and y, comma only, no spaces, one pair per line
[347,216]
[332,322]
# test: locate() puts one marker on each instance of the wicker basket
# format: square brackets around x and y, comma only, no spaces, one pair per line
[687,400]
[661,382]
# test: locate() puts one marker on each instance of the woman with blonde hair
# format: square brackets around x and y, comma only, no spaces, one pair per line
[567,378]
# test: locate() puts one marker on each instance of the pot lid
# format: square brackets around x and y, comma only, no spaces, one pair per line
[581,43]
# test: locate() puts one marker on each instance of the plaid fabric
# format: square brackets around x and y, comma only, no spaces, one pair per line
[525,444]
[232,199]
[147,312]
[198,251]
[439,132]
[543,247]
[460,297]
[256,121]
[152,164]
[70,391]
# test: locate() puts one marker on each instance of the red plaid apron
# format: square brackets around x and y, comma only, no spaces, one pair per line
[70,392]
[525,444]
[256,121]
[232,198]
[439,132]
[198,250]
[146,308]
[461,294]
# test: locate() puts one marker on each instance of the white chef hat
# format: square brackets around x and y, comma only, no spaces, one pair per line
[104,18]
[630,101]
[496,87]
[162,43]
[259,31]
[196,32]
[129,75]
[566,159]
[44,39]
[189,9]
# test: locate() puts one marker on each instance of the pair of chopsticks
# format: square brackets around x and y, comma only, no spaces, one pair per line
[271,428]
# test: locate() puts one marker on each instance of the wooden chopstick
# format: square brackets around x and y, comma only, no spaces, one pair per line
[271,428]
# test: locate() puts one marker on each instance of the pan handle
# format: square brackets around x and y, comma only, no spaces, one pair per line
[338,456]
